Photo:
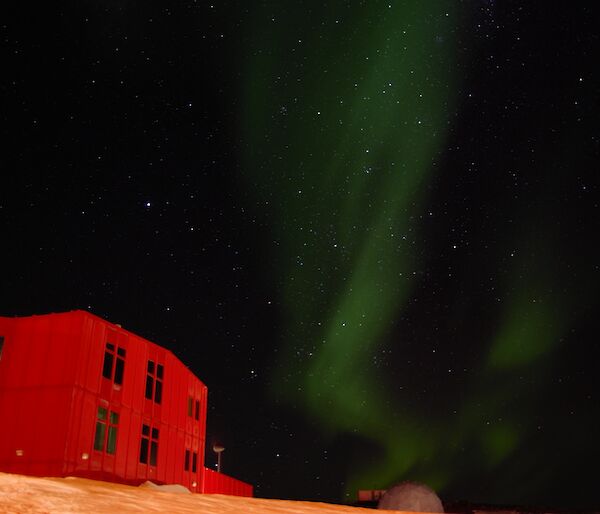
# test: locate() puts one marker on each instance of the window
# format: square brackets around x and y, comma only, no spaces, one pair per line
[154,381]
[120,366]
[105,437]
[193,408]
[114,363]
[186,464]
[111,441]
[149,445]
[100,435]
[1,345]
[144,445]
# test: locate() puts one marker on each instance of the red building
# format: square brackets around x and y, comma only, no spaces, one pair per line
[80,396]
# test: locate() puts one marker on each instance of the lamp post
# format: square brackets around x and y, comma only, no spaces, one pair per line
[218,449]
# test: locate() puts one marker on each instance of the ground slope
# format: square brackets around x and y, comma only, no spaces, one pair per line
[24,495]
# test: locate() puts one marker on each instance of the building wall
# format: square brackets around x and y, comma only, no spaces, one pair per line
[219,483]
[35,394]
[68,418]
[177,431]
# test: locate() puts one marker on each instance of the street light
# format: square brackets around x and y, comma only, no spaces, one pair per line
[218,449]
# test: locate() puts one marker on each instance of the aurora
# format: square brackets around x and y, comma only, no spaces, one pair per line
[345,130]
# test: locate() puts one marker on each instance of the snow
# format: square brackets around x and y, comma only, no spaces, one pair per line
[23,495]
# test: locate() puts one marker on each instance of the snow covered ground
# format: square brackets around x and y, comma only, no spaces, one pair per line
[21,494]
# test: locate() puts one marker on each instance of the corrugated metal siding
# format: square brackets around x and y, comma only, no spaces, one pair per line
[35,393]
[219,483]
[53,387]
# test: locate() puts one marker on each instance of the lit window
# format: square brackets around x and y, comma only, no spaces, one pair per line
[114,363]
[111,441]
[149,445]
[100,429]
[105,437]
[154,382]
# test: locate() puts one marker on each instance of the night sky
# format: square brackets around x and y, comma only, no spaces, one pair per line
[369,227]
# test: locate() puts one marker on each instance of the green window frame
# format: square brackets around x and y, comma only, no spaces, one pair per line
[106,433]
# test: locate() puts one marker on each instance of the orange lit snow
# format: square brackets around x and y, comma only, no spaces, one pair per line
[21,494]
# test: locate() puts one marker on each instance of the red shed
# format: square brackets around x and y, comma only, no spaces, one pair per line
[80,396]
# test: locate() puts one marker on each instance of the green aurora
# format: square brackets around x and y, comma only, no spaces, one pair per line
[343,129]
